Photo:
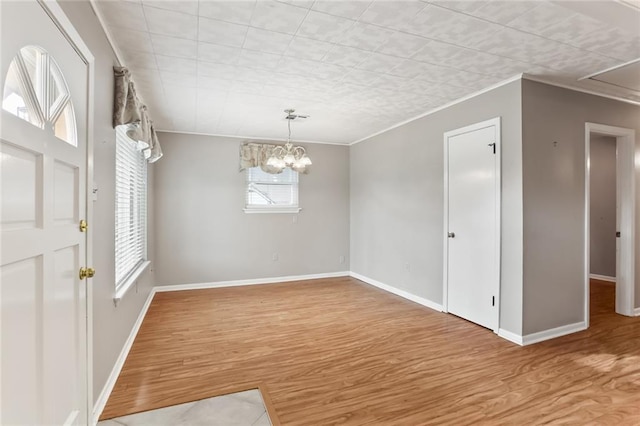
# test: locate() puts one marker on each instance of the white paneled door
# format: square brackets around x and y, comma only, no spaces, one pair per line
[43,160]
[472,223]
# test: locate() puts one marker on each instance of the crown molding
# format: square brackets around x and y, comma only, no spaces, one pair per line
[105,28]
[445,106]
[516,77]
[253,138]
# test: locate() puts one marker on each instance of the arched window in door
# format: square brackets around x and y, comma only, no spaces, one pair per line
[35,90]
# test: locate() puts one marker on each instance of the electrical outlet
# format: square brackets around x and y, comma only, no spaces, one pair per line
[341,259]
[274,257]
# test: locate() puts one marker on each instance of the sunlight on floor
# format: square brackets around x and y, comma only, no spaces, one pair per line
[603,363]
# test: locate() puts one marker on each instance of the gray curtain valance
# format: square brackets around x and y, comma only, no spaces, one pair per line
[154,150]
[256,155]
[128,110]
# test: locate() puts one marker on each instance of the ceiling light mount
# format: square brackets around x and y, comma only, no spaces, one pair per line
[294,157]
[291,116]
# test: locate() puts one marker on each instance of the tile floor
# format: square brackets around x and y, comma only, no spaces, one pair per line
[235,409]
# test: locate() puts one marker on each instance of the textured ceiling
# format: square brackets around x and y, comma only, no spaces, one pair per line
[357,67]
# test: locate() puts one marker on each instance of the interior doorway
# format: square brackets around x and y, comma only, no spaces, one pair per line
[603,209]
[610,212]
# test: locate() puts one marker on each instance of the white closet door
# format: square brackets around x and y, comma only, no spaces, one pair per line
[472,270]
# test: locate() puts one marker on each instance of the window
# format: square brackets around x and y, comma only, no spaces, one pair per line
[36,91]
[268,193]
[131,211]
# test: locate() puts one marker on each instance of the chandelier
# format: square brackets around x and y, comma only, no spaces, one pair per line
[294,157]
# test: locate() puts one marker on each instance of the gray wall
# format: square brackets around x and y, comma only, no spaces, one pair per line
[554,198]
[397,210]
[203,235]
[111,324]
[603,205]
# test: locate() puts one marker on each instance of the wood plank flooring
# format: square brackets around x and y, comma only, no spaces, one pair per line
[337,351]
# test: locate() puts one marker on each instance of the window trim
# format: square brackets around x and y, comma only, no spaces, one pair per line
[269,209]
[122,287]
[130,281]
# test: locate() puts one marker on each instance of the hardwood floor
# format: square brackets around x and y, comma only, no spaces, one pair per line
[337,351]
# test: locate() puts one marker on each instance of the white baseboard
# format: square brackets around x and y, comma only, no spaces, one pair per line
[552,333]
[420,300]
[636,312]
[541,336]
[512,337]
[115,372]
[602,278]
[236,283]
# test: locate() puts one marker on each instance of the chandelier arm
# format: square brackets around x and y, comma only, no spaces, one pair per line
[298,152]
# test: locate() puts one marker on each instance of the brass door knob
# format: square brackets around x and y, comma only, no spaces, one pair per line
[86,273]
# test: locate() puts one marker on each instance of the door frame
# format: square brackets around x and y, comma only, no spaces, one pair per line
[496,122]
[57,15]
[625,186]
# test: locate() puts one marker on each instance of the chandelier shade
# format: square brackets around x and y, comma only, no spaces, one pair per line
[294,157]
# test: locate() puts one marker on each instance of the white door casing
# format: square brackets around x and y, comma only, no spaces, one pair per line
[625,216]
[619,195]
[472,223]
[44,368]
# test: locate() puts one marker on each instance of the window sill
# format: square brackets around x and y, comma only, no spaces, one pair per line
[130,282]
[273,210]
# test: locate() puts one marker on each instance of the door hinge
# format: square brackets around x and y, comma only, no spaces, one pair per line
[83,226]
[618,234]
[493,145]
[493,301]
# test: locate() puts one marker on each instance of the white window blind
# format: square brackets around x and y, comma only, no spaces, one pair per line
[131,207]
[267,192]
